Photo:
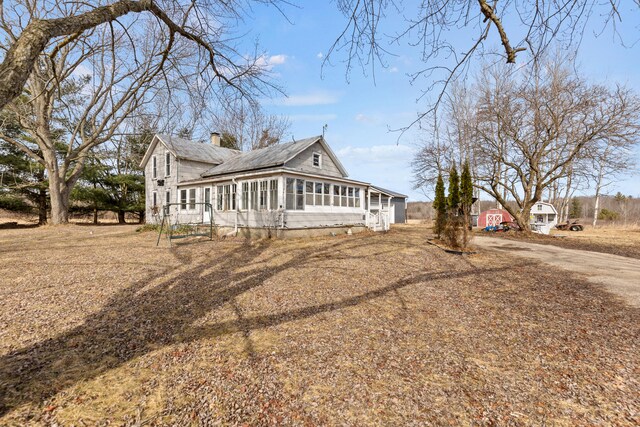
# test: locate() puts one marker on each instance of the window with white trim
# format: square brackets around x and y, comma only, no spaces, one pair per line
[167,164]
[244,200]
[219,193]
[183,200]
[294,194]
[167,200]
[273,194]
[155,199]
[154,167]
[317,160]
[263,195]
[254,195]
[192,198]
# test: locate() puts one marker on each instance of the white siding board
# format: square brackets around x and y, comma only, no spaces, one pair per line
[304,162]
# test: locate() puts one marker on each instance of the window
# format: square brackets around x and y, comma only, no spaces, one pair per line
[273,194]
[207,199]
[155,199]
[167,164]
[167,200]
[350,196]
[234,189]
[327,194]
[300,194]
[343,194]
[295,194]
[183,199]
[309,191]
[154,167]
[336,195]
[317,160]
[226,200]
[539,207]
[192,198]
[219,198]
[254,195]
[357,197]
[244,202]
[263,195]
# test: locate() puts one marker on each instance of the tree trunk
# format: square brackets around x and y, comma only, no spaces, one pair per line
[59,192]
[141,217]
[522,219]
[95,215]
[121,219]
[597,202]
[42,207]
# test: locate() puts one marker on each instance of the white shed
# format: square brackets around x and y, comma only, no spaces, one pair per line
[543,217]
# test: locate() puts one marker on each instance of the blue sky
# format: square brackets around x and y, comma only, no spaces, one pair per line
[359,111]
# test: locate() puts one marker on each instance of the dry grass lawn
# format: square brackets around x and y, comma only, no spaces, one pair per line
[98,326]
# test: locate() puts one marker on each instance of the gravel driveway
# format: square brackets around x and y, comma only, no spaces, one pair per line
[620,275]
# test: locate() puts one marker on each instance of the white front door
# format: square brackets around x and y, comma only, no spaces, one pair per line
[206,215]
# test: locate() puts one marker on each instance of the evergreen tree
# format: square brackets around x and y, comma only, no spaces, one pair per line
[575,211]
[453,200]
[440,206]
[466,190]
[227,140]
[23,184]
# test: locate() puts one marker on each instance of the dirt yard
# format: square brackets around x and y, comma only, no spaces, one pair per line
[98,326]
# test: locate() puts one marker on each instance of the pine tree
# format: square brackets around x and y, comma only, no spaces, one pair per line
[440,206]
[453,201]
[466,190]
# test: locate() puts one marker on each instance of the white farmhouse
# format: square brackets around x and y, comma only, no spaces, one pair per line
[299,185]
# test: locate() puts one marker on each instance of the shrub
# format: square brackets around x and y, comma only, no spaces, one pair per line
[607,214]
[14,204]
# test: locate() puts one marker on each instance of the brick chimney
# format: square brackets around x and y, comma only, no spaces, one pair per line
[215,138]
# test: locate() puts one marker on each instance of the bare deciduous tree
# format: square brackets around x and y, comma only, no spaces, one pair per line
[31,27]
[245,126]
[83,87]
[604,162]
[432,27]
[531,126]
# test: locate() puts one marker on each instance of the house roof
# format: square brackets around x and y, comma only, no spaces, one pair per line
[388,192]
[197,151]
[269,157]
[186,149]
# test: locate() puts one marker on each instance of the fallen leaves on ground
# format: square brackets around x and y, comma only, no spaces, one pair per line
[370,329]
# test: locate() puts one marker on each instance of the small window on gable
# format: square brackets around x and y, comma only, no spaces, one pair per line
[317,160]
[539,207]
[167,164]
[154,167]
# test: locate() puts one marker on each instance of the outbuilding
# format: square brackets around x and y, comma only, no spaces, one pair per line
[493,217]
[543,217]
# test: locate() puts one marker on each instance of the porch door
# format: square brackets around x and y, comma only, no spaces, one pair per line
[206,215]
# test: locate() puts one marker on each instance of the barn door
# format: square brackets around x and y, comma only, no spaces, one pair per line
[494,219]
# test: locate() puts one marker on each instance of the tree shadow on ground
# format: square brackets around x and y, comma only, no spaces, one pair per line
[145,317]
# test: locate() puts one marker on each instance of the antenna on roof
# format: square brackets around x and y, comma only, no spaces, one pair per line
[324,129]
[293,139]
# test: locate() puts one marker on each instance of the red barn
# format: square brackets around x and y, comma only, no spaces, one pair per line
[493,217]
